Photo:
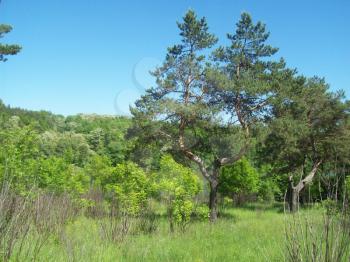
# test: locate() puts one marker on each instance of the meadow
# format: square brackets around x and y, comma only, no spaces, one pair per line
[241,234]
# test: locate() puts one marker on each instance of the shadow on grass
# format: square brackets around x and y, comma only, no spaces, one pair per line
[225,215]
[277,207]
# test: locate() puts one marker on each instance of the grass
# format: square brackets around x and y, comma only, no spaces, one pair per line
[241,234]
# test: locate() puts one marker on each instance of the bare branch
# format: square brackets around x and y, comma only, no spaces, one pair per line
[308,179]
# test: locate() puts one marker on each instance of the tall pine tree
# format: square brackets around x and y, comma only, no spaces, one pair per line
[190,111]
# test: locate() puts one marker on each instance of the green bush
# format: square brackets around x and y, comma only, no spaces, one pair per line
[129,186]
[55,175]
[177,185]
[201,212]
[239,179]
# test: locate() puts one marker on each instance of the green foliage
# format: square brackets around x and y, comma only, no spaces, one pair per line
[25,167]
[178,185]
[239,178]
[269,188]
[105,134]
[56,175]
[99,169]
[6,49]
[201,212]
[18,153]
[73,147]
[245,79]
[41,121]
[57,154]
[308,124]
[129,185]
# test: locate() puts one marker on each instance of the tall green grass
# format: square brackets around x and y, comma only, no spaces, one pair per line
[249,234]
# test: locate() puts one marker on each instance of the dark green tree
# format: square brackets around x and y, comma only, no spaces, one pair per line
[308,125]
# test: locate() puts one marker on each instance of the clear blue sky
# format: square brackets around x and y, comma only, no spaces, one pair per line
[89,56]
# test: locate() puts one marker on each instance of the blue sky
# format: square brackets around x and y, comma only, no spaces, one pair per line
[89,56]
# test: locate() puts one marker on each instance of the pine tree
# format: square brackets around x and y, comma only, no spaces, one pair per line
[308,129]
[6,49]
[190,110]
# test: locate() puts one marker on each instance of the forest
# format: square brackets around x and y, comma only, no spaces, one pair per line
[231,156]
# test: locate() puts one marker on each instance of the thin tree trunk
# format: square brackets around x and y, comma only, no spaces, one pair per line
[213,200]
[293,198]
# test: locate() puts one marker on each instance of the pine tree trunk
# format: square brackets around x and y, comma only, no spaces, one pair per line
[213,200]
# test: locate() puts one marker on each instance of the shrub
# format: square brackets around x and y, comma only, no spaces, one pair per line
[128,185]
[201,212]
[178,186]
[239,179]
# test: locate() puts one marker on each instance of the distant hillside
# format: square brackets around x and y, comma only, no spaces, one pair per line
[45,120]
[78,136]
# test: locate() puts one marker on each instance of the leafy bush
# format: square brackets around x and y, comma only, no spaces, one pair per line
[239,179]
[178,185]
[201,212]
[55,175]
[129,186]
[18,153]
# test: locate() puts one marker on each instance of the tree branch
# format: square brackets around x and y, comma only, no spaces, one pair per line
[230,160]
[308,179]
